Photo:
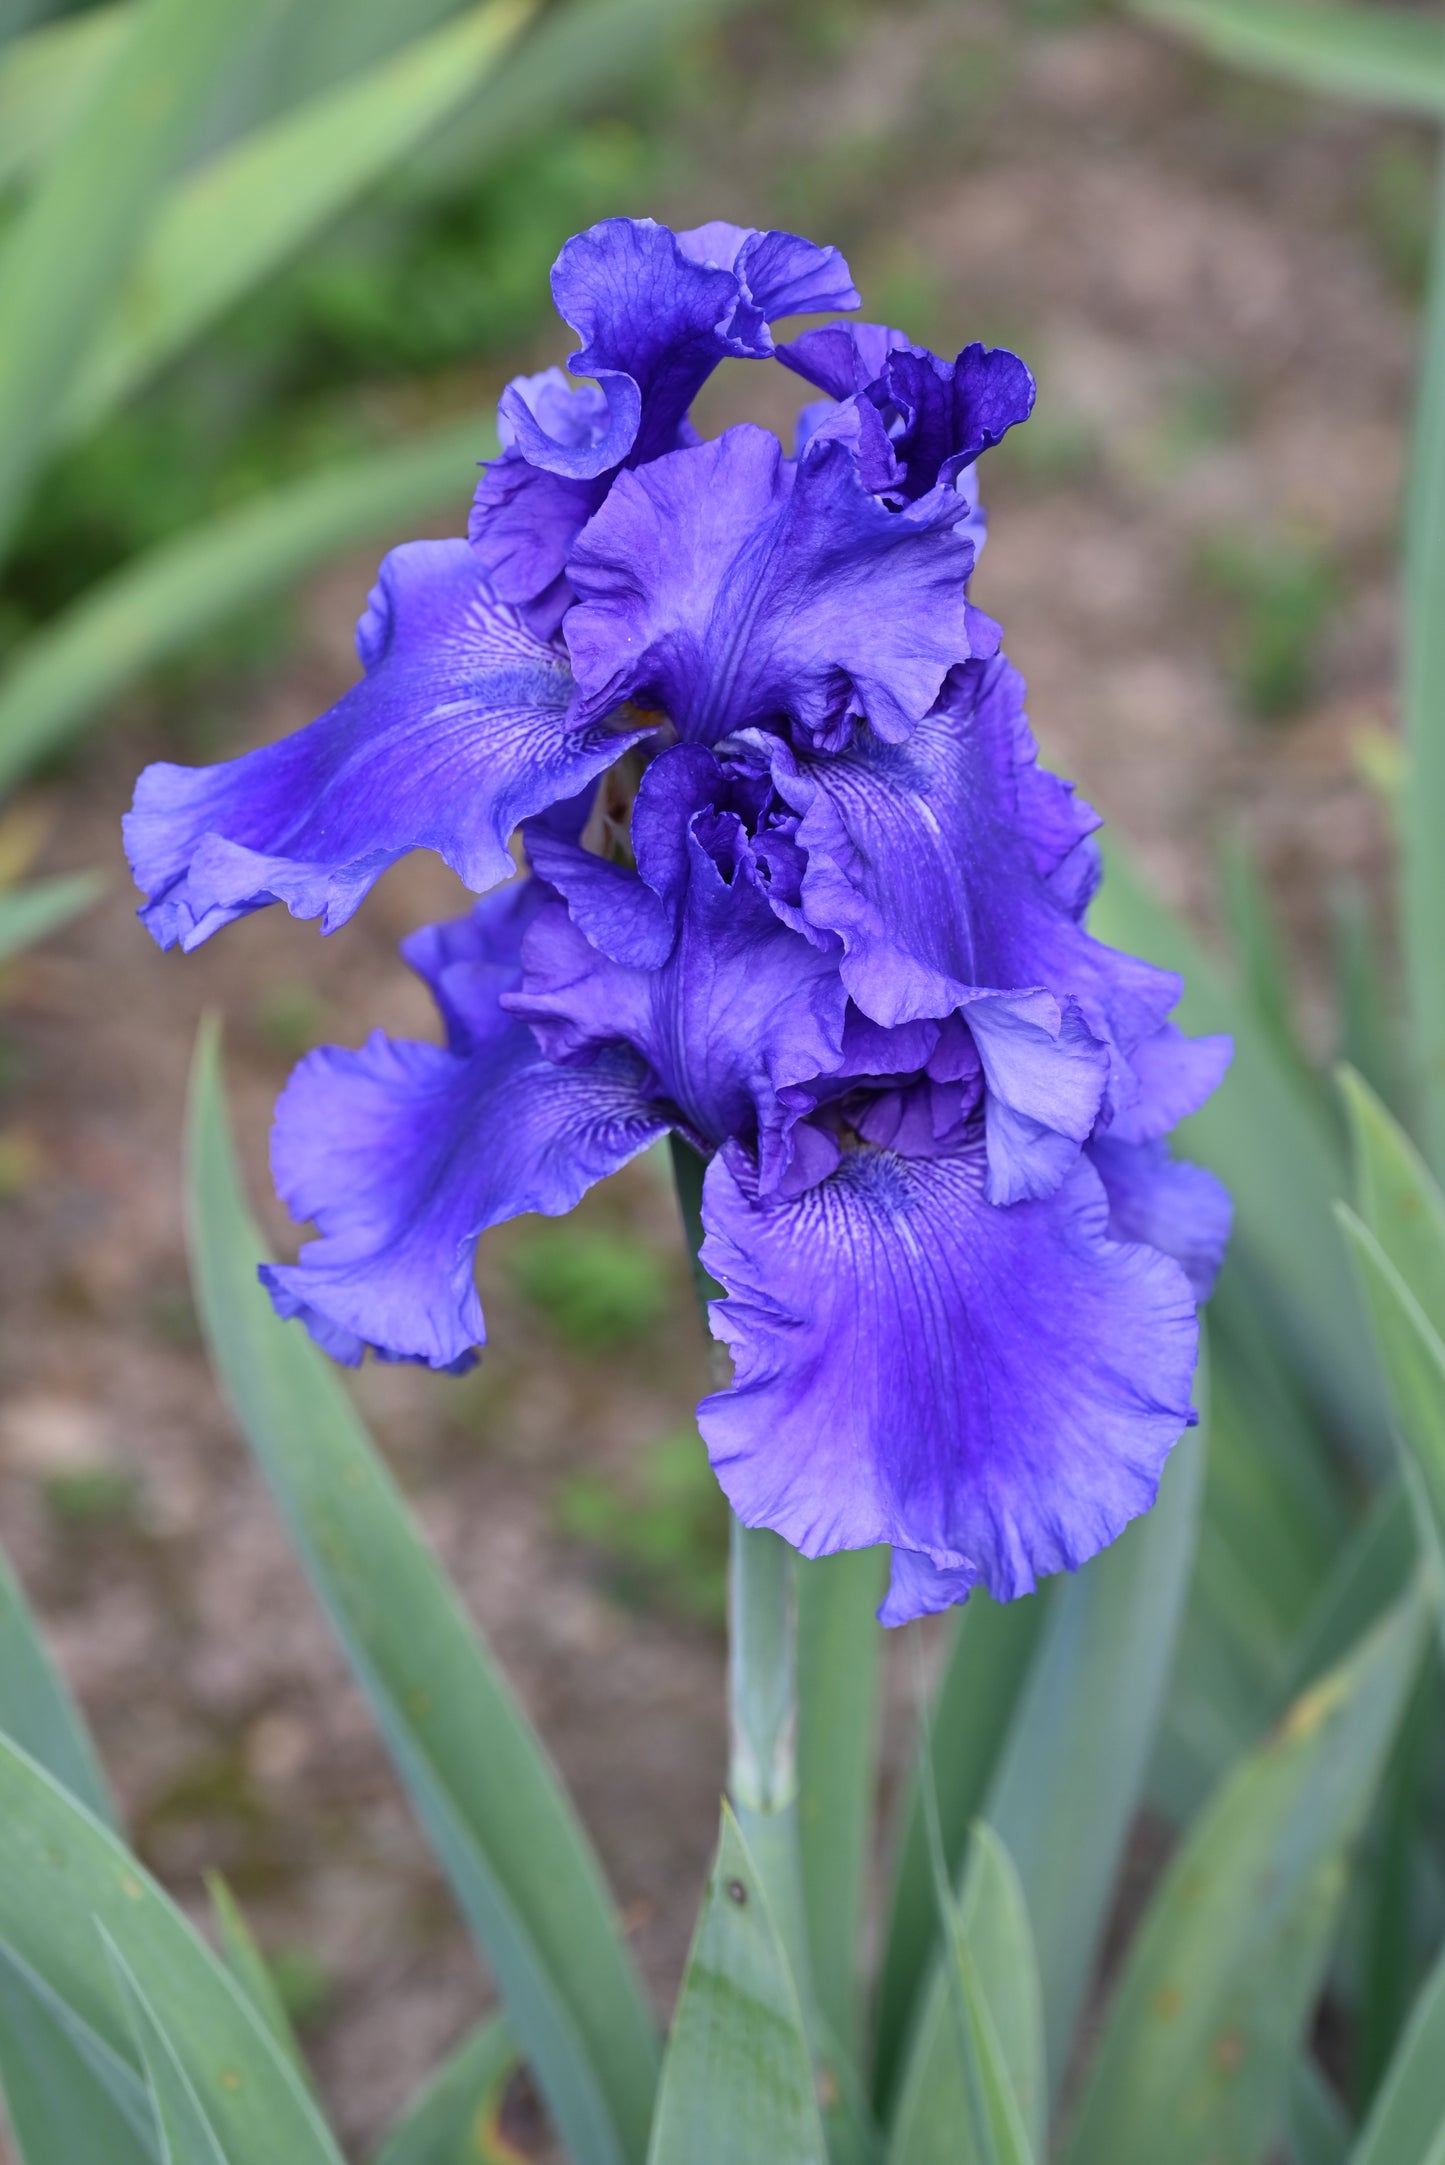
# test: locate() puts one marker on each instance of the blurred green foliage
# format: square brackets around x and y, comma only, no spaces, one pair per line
[596,1288]
[1282,591]
[662,1527]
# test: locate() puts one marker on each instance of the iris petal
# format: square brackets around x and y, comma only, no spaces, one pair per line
[457,732]
[404,1153]
[730,587]
[991,1391]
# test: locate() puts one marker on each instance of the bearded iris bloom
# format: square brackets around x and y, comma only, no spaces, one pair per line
[796,889]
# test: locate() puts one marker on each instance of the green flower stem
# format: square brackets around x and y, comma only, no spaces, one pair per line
[762,1662]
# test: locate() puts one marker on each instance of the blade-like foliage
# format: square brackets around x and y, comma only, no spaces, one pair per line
[36,1710]
[1071,1774]
[28,914]
[1383,55]
[737,2082]
[1414,1362]
[59,2110]
[229,226]
[178,590]
[247,1964]
[454,2119]
[992,1646]
[492,1805]
[67,253]
[45,77]
[1397,1197]
[839,1646]
[186,2133]
[1204,2032]
[1319,2126]
[65,1879]
[975,2090]
[1407,2121]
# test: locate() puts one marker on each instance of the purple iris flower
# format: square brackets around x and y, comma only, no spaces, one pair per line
[797,889]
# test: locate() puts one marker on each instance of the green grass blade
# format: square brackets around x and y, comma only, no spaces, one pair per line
[840,1643]
[67,253]
[1406,2125]
[172,594]
[229,226]
[1074,1766]
[1203,2036]
[1379,55]
[1369,1036]
[737,2082]
[1414,1363]
[491,1803]
[1272,1143]
[1422,800]
[1319,2126]
[1257,942]
[183,2126]
[63,1879]
[993,1644]
[58,2109]
[982,2029]
[450,2122]
[1397,1197]
[1270,1530]
[45,78]
[28,914]
[36,1710]
[1373,1565]
[246,1963]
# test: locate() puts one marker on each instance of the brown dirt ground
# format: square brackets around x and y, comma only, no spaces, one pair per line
[1224,350]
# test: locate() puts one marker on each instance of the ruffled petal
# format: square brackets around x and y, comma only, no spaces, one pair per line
[729,587]
[1178,1208]
[941,415]
[919,861]
[458,731]
[992,1391]
[1045,1074]
[656,311]
[843,358]
[404,1153]
[739,1009]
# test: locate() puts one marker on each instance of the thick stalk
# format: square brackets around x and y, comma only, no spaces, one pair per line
[762,1663]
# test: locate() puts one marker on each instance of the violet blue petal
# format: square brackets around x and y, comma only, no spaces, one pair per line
[888,829]
[1179,1208]
[655,318]
[458,731]
[729,587]
[740,1009]
[404,1153]
[843,358]
[994,1391]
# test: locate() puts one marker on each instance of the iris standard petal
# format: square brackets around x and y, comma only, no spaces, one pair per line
[994,1391]
[458,731]
[655,312]
[729,587]
[918,860]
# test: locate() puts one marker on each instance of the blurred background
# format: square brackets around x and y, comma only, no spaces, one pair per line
[1191,552]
